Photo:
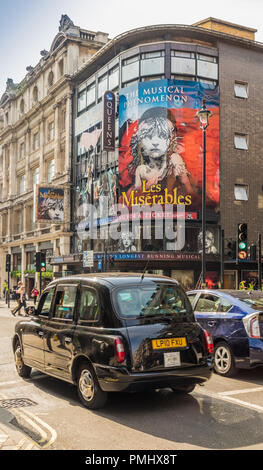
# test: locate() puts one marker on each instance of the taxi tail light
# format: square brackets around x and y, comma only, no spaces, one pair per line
[119,349]
[251,324]
[209,342]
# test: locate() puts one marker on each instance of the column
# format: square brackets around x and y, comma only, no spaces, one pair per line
[5,189]
[68,130]
[56,141]
[27,155]
[41,152]
[12,168]
[9,224]
[23,263]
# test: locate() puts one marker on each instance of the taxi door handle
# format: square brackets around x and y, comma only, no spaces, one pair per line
[41,333]
[211,323]
[68,340]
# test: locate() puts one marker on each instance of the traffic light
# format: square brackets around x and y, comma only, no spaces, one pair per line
[242,247]
[111,260]
[40,262]
[43,262]
[8,263]
[38,254]
[231,249]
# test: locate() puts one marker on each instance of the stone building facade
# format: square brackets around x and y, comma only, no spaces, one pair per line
[36,147]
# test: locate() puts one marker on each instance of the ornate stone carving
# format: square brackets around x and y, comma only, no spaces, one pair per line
[65,23]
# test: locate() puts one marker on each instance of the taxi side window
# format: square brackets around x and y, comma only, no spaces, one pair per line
[65,302]
[88,306]
[208,303]
[46,302]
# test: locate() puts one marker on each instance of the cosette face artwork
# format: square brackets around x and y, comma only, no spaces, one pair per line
[154,136]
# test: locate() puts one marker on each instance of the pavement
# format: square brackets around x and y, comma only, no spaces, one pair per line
[12,423]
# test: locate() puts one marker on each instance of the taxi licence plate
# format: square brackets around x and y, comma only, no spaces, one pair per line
[168,343]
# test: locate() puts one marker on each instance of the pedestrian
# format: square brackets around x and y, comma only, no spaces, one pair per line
[5,290]
[22,299]
[34,294]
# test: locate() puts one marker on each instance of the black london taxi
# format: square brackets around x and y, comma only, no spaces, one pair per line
[114,332]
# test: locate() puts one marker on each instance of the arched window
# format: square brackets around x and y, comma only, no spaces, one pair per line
[35,94]
[50,78]
[22,106]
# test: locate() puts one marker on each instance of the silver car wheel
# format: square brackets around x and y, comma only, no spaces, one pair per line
[222,359]
[86,385]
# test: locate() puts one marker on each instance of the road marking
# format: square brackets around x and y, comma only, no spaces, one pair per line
[11,382]
[230,399]
[35,423]
[244,390]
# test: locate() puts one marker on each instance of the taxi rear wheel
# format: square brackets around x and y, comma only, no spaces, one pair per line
[89,391]
[184,388]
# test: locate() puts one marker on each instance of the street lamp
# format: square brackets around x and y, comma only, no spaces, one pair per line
[203,115]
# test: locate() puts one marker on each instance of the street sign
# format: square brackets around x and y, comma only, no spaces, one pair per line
[88,259]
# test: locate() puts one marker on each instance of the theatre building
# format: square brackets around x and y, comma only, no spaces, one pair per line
[156,79]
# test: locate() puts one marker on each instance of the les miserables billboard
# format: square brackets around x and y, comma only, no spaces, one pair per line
[161,150]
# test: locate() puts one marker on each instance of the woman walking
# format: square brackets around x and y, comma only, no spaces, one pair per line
[22,300]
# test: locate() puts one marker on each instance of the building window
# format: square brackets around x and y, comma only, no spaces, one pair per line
[36,141]
[185,54]
[132,82]
[207,66]
[114,78]
[82,101]
[61,67]
[22,106]
[35,176]
[19,227]
[22,150]
[50,78]
[50,171]
[241,192]
[241,141]
[91,94]
[153,77]
[51,129]
[21,184]
[207,82]
[182,77]
[152,63]
[130,68]
[183,62]
[241,90]
[35,94]
[102,86]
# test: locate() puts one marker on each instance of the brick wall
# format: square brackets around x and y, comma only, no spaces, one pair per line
[243,116]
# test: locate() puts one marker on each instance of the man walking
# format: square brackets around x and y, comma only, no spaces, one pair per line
[22,299]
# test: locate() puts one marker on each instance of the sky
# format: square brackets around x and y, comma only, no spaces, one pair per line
[29,26]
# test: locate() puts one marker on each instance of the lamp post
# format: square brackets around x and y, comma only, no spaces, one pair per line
[203,115]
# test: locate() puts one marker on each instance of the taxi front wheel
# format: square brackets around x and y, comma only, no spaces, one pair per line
[89,391]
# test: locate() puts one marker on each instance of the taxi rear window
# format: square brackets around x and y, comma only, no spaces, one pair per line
[152,300]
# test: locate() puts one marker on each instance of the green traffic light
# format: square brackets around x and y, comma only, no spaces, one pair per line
[242,246]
